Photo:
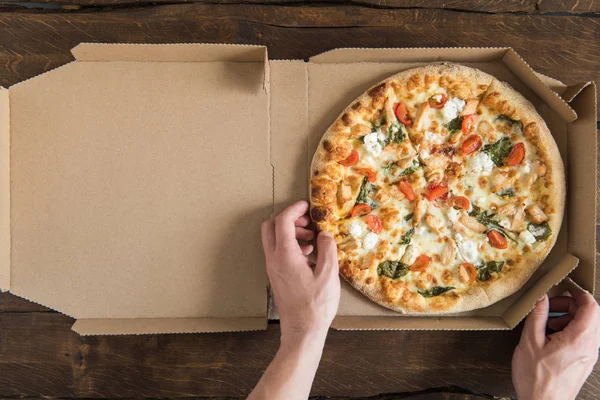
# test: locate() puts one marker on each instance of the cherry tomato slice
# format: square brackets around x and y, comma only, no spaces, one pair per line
[406,190]
[360,209]
[351,160]
[516,155]
[470,268]
[468,122]
[437,192]
[472,144]
[374,223]
[402,114]
[434,102]
[421,263]
[460,202]
[369,173]
[497,239]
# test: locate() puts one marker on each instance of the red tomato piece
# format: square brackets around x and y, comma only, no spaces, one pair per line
[460,202]
[406,190]
[437,192]
[374,223]
[360,209]
[470,268]
[472,144]
[369,173]
[435,103]
[402,114]
[421,263]
[468,122]
[351,160]
[516,155]
[497,239]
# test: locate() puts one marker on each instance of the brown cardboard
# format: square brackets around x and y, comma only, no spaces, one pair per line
[129,194]
[134,208]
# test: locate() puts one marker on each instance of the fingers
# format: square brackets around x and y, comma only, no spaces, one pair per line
[559,323]
[267,234]
[303,221]
[285,229]
[327,260]
[304,234]
[534,329]
[307,249]
[587,315]
[565,304]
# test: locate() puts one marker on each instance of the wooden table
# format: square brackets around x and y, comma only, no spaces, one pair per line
[40,356]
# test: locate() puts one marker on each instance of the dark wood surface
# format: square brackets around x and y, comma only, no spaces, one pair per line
[40,356]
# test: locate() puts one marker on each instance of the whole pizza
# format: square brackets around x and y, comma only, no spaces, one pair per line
[443,188]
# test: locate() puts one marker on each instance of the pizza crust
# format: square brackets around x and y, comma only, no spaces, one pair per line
[326,174]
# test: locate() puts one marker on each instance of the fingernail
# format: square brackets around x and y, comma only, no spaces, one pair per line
[542,298]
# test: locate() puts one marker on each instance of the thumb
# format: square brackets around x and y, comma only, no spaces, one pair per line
[534,329]
[327,260]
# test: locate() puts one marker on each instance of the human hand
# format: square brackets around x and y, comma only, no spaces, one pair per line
[556,366]
[307,295]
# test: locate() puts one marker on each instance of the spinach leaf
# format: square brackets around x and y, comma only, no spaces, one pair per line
[375,125]
[503,117]
[454,125]
[363,194]
[488,220]
[498,151]
[405,239]
[541,231]
[395,134]
[409,216]
[510,192]
[434,291]
[412,169]
[484,271]
[392,269]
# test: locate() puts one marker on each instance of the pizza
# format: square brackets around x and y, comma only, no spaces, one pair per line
[443,188]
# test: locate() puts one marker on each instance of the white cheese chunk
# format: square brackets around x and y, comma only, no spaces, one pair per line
[505,224]
[355,229]
[536,231]
[527,237]
[467,249]
[370,241]
[452,108]
[431,137]
[372,144]
[453,215]
[481,163]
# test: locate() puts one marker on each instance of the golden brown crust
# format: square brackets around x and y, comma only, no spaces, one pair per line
[327,179]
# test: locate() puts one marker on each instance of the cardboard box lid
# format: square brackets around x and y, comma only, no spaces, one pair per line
[128,174]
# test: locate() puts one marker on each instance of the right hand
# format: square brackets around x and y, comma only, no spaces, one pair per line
[556,366]
[307,295]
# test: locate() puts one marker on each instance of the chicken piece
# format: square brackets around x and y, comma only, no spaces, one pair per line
[507,209]
[518,218]
[434,223]
[456,137]
[470,107]
[423,110]
[472,223]
[448,252]
[381,195]
[369,261]
[344,194]
[350,245]
[411,254]
[437,162]
[405,162]
[463,274]
[536,214]
[501,182]
[390,117]
[359,130]
[457,227]
[487,131]
[421,205]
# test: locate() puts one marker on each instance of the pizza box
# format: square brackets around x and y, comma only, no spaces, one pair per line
[136,178]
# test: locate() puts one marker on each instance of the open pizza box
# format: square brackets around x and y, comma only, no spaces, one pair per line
[136,177]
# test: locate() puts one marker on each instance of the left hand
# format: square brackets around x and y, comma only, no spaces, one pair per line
[307,295]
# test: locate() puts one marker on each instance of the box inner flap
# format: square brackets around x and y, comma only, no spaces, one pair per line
[582,181]
[571,91]
[407,55]
[289,131]
[420,323]
[333,86]
[526,302]
[138,200]
[5,192]
[167,325]
[196,52]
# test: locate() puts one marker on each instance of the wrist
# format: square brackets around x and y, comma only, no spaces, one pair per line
[311,340]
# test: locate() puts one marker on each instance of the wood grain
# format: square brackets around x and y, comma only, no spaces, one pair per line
[481,6]
[41,356]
